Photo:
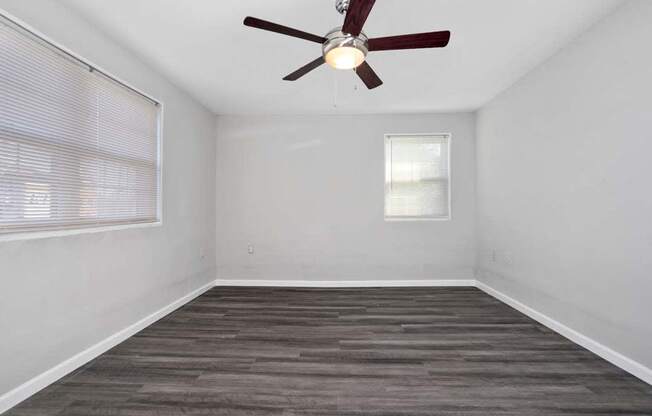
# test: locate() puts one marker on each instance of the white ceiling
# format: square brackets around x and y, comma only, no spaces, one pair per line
[202,46]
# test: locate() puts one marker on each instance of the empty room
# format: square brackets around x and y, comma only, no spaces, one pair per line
[325,207]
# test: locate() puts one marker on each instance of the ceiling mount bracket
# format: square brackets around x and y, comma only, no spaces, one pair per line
[342,6]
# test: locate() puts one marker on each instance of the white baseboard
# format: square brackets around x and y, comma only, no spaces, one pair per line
[616,358]
[27,389]
[345,283]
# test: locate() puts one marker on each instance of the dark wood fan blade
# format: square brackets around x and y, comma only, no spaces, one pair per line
[305,69]
[284,30]
[414,41]
[357,15]
[368,76]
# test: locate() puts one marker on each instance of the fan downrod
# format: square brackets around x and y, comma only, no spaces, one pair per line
[342,6]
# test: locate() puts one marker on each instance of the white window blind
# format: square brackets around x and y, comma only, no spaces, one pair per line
[77,148]
[417,182]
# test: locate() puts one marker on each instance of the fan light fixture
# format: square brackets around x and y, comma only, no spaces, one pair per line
[344,51]
[345,57]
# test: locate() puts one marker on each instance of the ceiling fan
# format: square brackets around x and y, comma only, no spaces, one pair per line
[347,47]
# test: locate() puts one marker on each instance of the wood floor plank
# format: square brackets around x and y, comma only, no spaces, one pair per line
[324,352]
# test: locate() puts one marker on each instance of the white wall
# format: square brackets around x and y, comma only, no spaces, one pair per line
[59,296]
[308,193]
[564,194]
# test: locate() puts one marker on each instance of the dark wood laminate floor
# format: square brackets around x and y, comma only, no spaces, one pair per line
[290,352]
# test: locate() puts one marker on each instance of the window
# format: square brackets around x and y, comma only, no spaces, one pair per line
[417,177]
[78,149]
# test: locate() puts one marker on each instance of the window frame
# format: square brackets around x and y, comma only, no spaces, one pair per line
[67,53]
[387,140]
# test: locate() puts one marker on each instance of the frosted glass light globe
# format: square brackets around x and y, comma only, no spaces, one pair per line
[345,57]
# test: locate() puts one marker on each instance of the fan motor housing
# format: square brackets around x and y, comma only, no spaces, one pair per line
[338,39]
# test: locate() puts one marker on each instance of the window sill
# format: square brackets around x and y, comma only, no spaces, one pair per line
[416,219]
[38,235]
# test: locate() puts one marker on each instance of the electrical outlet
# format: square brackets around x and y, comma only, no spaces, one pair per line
[508,259]
[250,249]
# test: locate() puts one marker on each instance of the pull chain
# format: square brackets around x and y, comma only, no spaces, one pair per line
[355,83]
[334,89]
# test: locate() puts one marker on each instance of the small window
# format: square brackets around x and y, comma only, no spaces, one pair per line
[78,149]
[417,177]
